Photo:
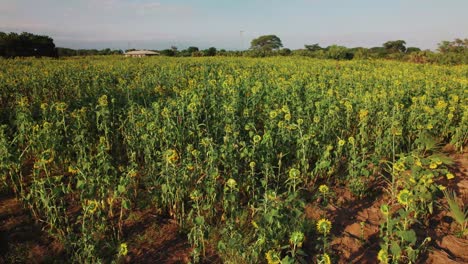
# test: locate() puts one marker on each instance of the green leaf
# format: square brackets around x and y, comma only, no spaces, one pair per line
[126,204]
[199,220]
[121,188]
[408,236]
[395,249]
[79,184]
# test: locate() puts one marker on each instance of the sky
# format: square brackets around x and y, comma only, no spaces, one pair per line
[232,24]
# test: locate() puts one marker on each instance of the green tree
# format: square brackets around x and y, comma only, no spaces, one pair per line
[266,43]
[313,47]
[210,52]
[285,52]
[26,44]
[338,53]
[395,46]
[168,52]
[457,46]
[412,49]
[378,52]
[192,49]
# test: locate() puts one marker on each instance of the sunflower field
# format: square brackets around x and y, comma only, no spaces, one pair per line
[232,149]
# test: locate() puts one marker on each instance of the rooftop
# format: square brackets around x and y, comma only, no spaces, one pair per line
[141,52]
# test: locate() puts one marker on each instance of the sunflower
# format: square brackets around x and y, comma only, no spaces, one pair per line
[273,114]
[72,170]
[326,259]
[294,173]
[399,166]
[102,101]
[171,156]
[384,209]
[324,226]
[297,238]
[272,257]
[257,139]
[382,256]
[323,189]
[123,251]
[231,183]
[341,142]
[404,197]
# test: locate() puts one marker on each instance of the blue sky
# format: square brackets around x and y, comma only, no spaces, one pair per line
[158,24]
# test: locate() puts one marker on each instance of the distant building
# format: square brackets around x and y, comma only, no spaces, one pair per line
[140,53]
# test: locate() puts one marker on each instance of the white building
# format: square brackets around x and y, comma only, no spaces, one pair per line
[140,53]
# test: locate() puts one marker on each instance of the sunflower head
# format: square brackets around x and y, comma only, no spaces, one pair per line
[323,189]
[123,250]
[257,139]
[324,226]
[294,173]
[231,183]
[382,256]
[341,142]
[325,259]
[404,197]
[272,257]
[297,238]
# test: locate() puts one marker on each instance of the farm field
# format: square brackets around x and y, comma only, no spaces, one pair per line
[232,160]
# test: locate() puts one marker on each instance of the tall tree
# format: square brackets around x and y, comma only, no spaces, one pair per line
[210,51]
[26,44]
[266,43]
[395,46]
[313,47]
[457,46]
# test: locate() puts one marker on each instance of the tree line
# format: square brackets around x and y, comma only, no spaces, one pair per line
[448,52]
[26,45]
[31,45]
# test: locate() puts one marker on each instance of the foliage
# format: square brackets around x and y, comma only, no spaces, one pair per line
[26,45]
[456,46]
[458,212]
[395,46]
[66,52]
[230,148]
[313,47]
[266,43]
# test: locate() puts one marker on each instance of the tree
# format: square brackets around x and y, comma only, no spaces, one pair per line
[360,53]
[168,52]
[412,49]
[395,46]
[26,44]
[266,43]
[192,49]
[378,52]
[210,52]
[313,47]
[457,46]
[338,53]
[285,52]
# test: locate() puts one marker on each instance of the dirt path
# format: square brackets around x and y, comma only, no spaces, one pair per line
[151,239]
[22,240]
